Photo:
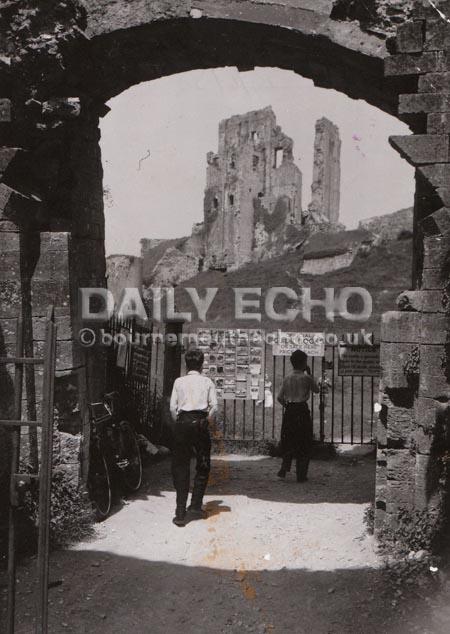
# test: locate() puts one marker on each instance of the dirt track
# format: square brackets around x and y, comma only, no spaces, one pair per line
[272,556]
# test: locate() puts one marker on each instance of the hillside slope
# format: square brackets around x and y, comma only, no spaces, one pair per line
[385,272]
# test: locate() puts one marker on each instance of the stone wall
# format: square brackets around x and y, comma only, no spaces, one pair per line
[327,264]
[413,438]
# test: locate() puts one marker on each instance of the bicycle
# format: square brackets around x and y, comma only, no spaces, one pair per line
[114,450]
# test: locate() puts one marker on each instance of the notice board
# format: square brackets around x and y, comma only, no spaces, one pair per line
[358,360]
[234,360]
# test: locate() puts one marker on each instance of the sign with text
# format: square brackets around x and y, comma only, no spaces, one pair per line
[359,360]
[313,343]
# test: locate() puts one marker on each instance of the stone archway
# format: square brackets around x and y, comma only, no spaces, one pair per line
[62,61]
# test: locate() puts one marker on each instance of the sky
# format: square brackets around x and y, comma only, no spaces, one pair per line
[155,140]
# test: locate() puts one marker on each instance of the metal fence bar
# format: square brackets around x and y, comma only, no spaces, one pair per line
[15,459]
[371,407]
[263,415]
[352,408]
[243,418]
[332,391]
[225,417]
[362,410]
[45,476]
[274,362]
[342,408]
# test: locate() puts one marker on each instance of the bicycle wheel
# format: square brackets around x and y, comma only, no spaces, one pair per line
[99,483]
[130,462]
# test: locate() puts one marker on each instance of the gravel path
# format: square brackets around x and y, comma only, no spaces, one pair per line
[272,556]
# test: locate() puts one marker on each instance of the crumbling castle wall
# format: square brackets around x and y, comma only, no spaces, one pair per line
[123,271]
[253,189]
[325,188]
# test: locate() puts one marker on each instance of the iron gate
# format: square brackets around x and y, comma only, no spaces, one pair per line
[131,370]
[342,415]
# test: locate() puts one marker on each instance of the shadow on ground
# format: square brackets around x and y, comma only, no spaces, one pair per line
[104,593]
[340,480]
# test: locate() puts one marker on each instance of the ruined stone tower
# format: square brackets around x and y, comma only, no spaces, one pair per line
[253,191]
[324,206]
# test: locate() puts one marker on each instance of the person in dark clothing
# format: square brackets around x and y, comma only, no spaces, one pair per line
[193,404]
[297,429]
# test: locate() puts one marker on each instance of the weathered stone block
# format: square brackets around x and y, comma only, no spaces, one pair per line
[67,354]
[45,293]
[15,207]
[399,495]
[52,265]
[400,326]
[67,448]
[5,111]
[10,298]
[436,249]
[434,82]
[433,382]
[425,415]
[433,279]
[438,123]
[394,357]
[9,242]
[423,441]
[427,489]
[437,223]
[439,177]
[422,301]
[434,328]
[425,10]
[437,37]
[400,427]
[424,102]
[400,465]
[7,156]
[415,64]
[410,37]
[422,148]
[410,301]
[438,174]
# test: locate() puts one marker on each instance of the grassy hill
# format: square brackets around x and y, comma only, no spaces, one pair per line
[385,271]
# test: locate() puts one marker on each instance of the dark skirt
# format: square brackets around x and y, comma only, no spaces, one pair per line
[296,431]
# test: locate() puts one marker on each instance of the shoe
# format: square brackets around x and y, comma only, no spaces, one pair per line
[281,473]
[196,513]
[302,479]
[180,519]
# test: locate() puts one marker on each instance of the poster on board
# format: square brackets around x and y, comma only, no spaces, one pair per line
[234,360]
[313,343]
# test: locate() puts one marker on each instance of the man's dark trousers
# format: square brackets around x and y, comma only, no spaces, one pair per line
[191,432]
[297,438]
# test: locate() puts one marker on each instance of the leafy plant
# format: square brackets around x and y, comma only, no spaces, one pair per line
[415,530]
[369,518]
[71,512]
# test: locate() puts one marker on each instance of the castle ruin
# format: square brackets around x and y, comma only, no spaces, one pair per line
[325,188]
[253,200]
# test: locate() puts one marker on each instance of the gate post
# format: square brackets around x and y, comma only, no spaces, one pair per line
[172,354]
[173,348]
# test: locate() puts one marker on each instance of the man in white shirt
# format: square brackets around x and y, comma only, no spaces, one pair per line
[193,405]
